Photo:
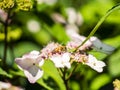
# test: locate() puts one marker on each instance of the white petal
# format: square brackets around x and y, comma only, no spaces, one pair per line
[100,64]
[41,62]
[95,64]
[57,61]
[68,65]
[59,65]
[66,57]
[33,55]
[37,75]
[98,69]
[61,60]
[35,52]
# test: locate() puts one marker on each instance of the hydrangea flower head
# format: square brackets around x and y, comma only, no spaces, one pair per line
[30,63]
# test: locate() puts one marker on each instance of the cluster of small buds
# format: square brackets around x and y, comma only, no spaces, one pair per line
[116,84]
[24,5]
[50,49]
[6,4]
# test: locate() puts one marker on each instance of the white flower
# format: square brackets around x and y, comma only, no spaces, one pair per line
[95,64]
[33,26]
[62,60]
[30,64]
[4,85]
[8,86]
[58,18]
[73,16]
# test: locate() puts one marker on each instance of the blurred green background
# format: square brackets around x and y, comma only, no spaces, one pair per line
[34,29]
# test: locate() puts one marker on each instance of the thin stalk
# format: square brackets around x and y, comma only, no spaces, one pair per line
[5,45]
[100,22]
[72,72]
[5,40]
[64,79]
[60,72]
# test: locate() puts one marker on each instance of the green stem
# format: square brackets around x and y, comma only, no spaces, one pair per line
[60,72]
[5,40]
[64,79]
[72,72]
[100,22]
[5,46]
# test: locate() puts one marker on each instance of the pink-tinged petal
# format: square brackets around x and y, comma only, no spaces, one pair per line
[100,46]
[35,77]
[29,64]
[4,85]
[33,70]
[25,64]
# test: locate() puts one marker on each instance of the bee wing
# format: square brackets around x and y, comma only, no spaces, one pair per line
[101,47]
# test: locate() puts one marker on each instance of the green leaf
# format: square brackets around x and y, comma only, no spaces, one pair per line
[42,37]
[114,41]
[42,83]
[74,85]
[51,70]
[18,73]
[4,73]
[98,55]
[59,33]
[114,64]
[24,47]
[95,13]
[100,81]
[9,59]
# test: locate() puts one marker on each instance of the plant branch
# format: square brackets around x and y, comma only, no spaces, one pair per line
[100,22]
[72,72]
[5,40]
[64,79]
[60,72]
